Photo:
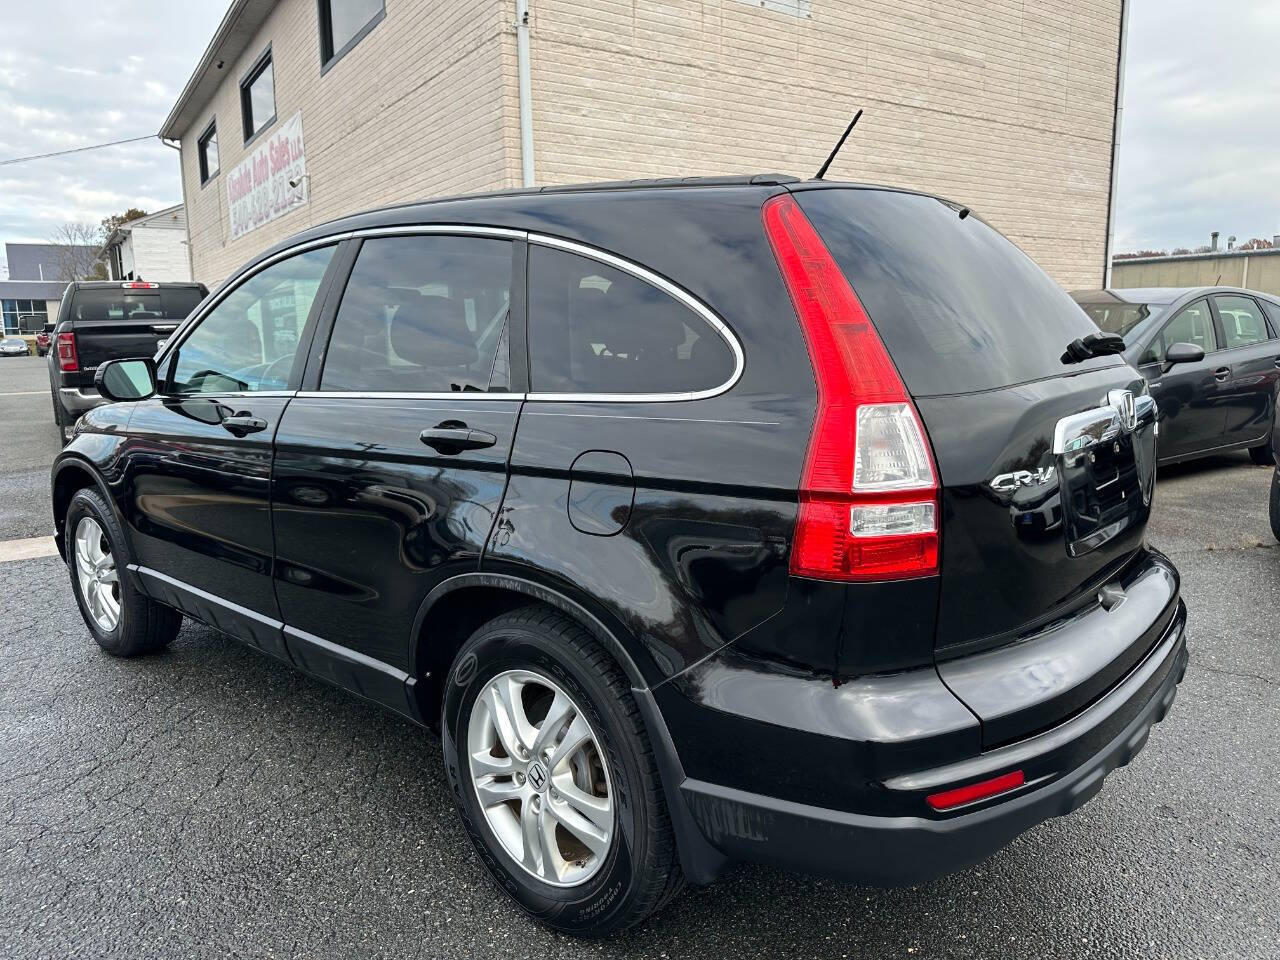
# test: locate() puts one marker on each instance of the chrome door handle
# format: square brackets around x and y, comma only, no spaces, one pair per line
[242,424]
[1222,374]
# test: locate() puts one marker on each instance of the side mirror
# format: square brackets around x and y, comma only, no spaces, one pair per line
[1182,353]
[126,379]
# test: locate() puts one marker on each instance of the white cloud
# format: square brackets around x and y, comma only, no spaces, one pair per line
[65,82]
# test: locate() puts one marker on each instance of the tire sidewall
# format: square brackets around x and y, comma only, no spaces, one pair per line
[87,503]
[581,909]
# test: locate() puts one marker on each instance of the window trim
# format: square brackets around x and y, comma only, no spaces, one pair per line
[202,160]
[246,104]
[324,15]
[340,272]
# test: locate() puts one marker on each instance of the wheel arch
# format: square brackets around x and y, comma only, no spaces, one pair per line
[72,473]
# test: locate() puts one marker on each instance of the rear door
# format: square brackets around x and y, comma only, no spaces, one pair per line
[1251,354]
[198,455]
[1190,395]
[1047,467]
[391,462]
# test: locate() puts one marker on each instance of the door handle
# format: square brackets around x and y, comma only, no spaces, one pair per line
[1221,374]
[452,437]
[242,424]
[1276,361]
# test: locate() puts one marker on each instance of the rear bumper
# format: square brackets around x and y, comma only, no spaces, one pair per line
[1064,767]
[78,400]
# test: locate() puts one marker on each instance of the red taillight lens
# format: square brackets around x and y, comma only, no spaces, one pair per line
[950,799]
[869,494]
[68,362]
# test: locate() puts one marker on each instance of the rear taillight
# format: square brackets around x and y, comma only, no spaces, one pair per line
[68,362]
[869,493]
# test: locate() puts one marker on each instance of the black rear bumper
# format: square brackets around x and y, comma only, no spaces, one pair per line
[1064,767]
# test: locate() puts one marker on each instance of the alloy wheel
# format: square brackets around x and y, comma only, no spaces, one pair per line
[96,572]
[541,778]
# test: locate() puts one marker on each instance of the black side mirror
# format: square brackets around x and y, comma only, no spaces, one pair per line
[1182,353]
[126,379]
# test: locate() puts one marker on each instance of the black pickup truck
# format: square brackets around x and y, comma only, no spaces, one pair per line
[106,320]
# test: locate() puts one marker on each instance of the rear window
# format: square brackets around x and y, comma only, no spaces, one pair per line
[104,303]
[1119,318]
[960,308]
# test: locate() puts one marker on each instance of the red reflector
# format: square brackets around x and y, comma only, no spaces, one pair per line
[68,361]
[869,492]
[950,799]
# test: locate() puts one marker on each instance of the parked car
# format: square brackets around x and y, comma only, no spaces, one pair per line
[689,552]
[43,339]
[104,319]
[14,347]
[1211,358]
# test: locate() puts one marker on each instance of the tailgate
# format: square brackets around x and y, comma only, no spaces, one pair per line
[102,340]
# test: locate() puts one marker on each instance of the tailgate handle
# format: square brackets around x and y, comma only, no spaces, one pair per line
[454,437]
[242,424]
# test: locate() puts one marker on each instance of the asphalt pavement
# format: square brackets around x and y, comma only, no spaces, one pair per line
[209,802]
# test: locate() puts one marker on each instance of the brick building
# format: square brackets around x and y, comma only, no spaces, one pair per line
[304,110]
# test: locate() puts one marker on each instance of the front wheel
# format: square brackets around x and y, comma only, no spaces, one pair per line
[554,777]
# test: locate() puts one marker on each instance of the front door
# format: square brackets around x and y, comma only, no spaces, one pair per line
[198,456]
[1188,394]
[390,468]
[1252,355]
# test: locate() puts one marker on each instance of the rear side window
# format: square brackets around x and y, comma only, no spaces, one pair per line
[425,314]
[1242,322]
[596,329]
[959,307]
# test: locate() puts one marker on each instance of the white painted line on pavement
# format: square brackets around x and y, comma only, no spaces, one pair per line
[24,393]
[28,549]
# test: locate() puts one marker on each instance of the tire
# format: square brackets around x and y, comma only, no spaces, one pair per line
[639,871]
[141,625]
[1275,504]
[1263,456]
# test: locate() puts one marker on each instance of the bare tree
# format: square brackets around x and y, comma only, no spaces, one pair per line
[76,255]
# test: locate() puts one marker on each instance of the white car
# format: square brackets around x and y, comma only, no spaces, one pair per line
[14,347]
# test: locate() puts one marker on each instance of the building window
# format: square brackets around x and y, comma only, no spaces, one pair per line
[207,146]
[258,97]
[343,24]
[24,316]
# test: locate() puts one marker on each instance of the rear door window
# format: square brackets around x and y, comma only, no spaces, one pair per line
[423,314]
[959,307]
[1242,321]
[595,329]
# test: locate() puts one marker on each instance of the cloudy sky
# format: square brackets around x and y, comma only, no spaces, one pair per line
[1200,143]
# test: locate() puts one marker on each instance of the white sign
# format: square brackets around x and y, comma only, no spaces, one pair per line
[258,188]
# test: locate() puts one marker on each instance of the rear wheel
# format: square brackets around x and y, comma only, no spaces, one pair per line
[1275,503]
[554,777]
[1264,455]
[123,621]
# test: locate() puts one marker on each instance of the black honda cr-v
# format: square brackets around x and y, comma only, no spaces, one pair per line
[709,520]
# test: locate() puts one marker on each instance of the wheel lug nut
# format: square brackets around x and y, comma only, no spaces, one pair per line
[520,779]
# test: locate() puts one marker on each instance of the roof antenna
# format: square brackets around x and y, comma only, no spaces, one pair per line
[822,172]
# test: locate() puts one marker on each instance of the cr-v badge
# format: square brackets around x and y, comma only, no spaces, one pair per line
[1007,482]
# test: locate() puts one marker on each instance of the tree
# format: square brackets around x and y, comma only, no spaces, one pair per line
[109,224]
[76,252]
[1257,243]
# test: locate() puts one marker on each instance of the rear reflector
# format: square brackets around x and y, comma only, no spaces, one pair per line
[869,493]
[68,361]
[950,799]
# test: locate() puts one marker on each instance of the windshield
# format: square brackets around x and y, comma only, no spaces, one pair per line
[1120,317]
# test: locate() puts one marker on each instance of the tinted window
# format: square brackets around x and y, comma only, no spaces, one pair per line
[249,341]
[595,329]
[1242,322]
[208,150]
[180,301]
[342,20]
[104,303]
[1119,318]
[959,307]
[1193,325]
[423,314]
[1273,313]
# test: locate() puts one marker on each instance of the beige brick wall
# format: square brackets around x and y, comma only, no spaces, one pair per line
[1002,104]
[418,108]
